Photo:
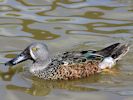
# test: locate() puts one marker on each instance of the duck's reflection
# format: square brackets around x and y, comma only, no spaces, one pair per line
[41,87]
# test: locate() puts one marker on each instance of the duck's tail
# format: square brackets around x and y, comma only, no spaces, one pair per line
[112,54]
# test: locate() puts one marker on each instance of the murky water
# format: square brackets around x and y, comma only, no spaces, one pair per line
[65,25]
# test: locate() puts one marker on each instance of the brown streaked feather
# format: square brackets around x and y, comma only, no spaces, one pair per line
[75,71]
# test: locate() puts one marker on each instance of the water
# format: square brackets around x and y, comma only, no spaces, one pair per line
[65,25]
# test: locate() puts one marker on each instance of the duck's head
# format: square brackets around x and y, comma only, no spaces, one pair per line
[37,52]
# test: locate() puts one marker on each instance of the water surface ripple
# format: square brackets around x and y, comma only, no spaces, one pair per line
[65,25]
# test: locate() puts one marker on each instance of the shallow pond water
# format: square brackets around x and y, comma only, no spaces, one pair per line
[65,25]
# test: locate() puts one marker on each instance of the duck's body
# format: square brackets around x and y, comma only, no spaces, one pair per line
[70,65]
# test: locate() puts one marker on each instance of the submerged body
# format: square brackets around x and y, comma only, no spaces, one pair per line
[69,65]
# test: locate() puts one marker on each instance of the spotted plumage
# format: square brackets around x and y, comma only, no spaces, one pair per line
[69,65]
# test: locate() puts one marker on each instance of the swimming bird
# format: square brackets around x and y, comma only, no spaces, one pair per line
[71,64]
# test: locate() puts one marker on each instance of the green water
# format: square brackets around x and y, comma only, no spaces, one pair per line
[65,25]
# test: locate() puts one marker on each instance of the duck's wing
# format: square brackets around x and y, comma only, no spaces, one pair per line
[76,57]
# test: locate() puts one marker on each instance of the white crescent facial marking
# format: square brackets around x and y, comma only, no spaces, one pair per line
[32,55]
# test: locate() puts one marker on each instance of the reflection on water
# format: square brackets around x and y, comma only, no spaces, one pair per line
[65,25]
[43,88]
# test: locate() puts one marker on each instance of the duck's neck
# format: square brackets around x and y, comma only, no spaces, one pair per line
[40,65]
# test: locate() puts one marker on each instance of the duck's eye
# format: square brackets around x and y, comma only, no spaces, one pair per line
[34,49]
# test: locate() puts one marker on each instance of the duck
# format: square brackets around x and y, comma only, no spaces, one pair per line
[70,64]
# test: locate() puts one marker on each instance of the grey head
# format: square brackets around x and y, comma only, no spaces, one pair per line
[37,52]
